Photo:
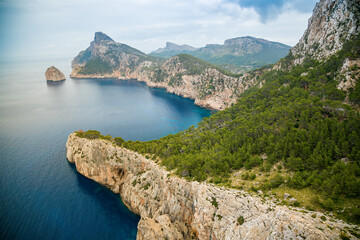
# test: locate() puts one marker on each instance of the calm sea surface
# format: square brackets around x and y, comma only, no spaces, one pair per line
[41,194]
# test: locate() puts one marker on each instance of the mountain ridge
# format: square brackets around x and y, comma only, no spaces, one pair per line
[291,138]
[184,75]
[244,53]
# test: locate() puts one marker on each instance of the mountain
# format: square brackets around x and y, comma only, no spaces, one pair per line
[172,49]
[296,133]
[282,162]
[184,75]
[236,54]
[332,24]
[105,55]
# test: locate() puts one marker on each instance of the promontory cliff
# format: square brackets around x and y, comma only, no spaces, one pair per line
[173,208]
[302,121]
[184,75]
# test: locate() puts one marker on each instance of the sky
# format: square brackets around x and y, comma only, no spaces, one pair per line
[62,28]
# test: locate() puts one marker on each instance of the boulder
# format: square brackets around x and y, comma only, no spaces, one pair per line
[54,74]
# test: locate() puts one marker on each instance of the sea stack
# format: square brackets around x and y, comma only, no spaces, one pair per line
[54,74]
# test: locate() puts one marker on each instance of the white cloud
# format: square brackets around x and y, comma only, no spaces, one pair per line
[69,25]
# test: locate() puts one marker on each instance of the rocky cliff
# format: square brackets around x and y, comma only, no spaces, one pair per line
[332,24]
[183,75]
[172,49]
[242,53]
[173,208]
[54,74]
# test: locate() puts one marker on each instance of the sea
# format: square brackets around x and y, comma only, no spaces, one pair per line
[42,196]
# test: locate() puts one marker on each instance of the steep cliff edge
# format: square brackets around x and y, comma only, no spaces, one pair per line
[172,208]
[184,75]
[332,24]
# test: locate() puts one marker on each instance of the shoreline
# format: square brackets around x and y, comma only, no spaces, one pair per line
[207,107]
[171,207]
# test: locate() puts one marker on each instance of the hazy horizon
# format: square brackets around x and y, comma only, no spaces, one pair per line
[40,28]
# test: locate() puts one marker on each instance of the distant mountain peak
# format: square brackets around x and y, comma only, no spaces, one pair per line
[100,36]
[170,46]
[246,40]
[236,54]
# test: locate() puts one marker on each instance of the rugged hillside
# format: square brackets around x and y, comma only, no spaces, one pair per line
[184,75]
[333,23]
[243,53]
[293,141]
[173,208]
[172,49]
[298,133]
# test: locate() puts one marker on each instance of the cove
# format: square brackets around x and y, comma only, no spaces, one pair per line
[42,196]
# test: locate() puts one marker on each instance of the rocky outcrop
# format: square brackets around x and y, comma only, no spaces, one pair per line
[54,74]
[173,208]
[332,24]
[349,74]
[183,75]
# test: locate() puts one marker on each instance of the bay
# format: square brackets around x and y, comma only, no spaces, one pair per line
[42,196]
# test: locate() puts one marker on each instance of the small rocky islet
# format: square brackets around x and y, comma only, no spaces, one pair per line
[54,74]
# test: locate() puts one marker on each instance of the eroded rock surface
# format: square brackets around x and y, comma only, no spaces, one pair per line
[54,74]
[173,208]
[332,24]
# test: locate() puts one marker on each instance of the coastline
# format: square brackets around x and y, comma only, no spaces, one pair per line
[219,100]
[171,207]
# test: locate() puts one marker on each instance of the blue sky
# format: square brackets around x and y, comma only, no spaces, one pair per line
[53,28]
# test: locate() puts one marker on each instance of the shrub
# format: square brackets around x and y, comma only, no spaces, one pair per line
[214,202]
[240,220]
[107,137]
[119,141]
[252,176]
[90,134]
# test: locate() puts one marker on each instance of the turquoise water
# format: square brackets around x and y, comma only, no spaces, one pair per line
[42,196]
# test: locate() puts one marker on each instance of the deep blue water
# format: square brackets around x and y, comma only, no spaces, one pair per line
[42,196]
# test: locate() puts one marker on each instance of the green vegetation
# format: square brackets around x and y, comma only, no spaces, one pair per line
[240,220]
[96,66]
[92,134]
[196,66]
[214,202]
[296,120]
[234,57]
[296,124]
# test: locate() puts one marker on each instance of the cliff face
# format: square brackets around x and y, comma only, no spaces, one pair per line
[172,208]
[54,74]
[183,75]
[332,24]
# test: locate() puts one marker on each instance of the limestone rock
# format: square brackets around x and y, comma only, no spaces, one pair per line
[54,74]
[333,23]
[209,87]
[173,208]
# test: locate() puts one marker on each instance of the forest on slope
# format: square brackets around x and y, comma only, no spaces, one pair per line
[297,132]
[297,121]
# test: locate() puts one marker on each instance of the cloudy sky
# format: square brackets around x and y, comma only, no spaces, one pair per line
[61,28]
